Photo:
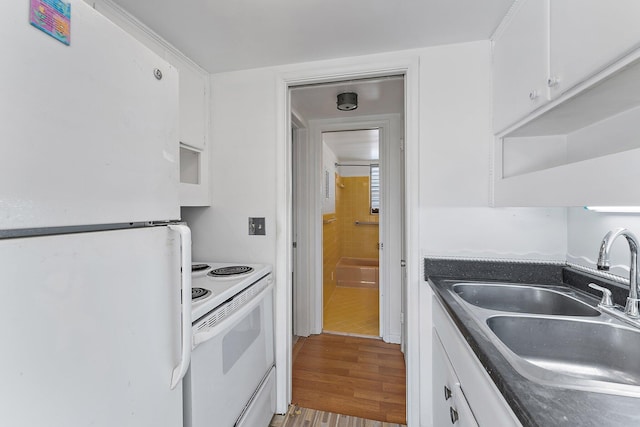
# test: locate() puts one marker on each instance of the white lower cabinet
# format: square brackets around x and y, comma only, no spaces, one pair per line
[450,406]
[463,393]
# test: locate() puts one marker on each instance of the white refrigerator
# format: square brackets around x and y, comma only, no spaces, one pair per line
[93,273]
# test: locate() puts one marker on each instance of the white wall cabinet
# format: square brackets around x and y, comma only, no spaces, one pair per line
[521,63]
[580,147]
[581,151]
[588,35]
[193,106]
[545,48]
[474,399]
[194,125]
[193,102]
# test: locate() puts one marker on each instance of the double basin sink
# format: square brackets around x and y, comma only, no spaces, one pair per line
[556,336]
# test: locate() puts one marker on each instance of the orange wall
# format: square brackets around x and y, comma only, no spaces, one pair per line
[352,204]
[330,255]
[340,236]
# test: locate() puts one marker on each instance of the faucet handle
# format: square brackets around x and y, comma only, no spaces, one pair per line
[606,295]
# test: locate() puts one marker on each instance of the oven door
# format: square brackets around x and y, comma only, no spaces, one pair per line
[229,361]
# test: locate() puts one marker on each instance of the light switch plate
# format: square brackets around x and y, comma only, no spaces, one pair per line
[256,226]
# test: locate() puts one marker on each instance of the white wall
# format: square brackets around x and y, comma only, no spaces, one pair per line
[509,233]
[454,141]
[355,170]
[243,170]
[329,161]
[455,159]
[585,232]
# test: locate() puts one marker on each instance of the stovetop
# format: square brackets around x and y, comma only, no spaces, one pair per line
[222,287]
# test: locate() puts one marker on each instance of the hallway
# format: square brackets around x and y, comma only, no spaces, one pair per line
[356,376]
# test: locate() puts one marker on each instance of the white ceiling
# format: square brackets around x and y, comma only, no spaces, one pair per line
[240,34]
[353,145]
[384,95]
[375,96]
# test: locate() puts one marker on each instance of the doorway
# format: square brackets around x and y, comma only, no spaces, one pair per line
[367,231]
[407,68]
[350,232]
[380,111]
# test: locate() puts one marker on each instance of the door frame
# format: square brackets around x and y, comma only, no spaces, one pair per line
[299,225]
[345,69]
[390,221]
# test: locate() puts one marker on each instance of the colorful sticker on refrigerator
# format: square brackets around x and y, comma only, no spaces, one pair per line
[53,17]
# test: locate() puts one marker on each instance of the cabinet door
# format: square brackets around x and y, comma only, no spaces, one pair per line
[521,64]
[588,35]
[193,113]
[193,103]
[450,406]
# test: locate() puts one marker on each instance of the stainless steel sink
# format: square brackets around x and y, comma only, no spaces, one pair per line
[577,353]
[522,299]
[555,336]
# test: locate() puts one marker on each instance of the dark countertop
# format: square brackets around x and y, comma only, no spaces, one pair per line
[534,404]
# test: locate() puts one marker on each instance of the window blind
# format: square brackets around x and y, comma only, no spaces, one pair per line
[374,188]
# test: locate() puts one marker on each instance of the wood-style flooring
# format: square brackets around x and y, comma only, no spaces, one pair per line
[305,417]
[362,377]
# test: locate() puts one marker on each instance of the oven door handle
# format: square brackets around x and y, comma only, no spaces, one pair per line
[185,262]
[207,333]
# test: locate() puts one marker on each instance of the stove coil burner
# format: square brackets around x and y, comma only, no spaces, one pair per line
[230,271]
[199,293]
[199,267]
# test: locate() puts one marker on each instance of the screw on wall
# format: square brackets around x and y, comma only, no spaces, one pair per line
[256,226]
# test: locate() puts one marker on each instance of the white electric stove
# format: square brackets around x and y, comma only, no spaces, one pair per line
[231,380]
[215,282]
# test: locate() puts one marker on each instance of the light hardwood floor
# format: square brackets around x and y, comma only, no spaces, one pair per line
[362,377]
[305,417]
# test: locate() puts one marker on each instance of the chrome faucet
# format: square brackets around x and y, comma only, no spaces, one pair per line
[631,308]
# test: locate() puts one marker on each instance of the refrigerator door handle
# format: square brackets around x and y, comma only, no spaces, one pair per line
[185,261]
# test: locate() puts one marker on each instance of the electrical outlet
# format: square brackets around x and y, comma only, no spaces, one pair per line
[256,226]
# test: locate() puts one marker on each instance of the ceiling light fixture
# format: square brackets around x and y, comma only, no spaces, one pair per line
[347,101]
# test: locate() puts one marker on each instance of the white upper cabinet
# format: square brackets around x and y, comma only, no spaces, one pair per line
[582,151]
[193,106]
[193,102]
[543,48]
[521,63]
[193,131]
[580,146]
[588,35]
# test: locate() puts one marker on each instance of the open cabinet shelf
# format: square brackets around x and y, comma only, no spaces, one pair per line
[584,149]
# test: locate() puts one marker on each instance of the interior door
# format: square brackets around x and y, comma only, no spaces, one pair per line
[294,224]
[302,276]
[403,249]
